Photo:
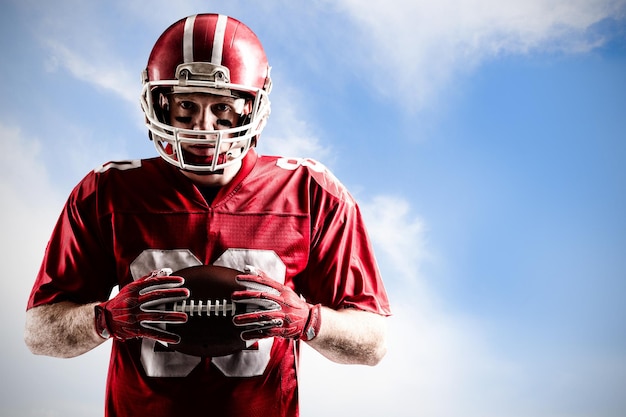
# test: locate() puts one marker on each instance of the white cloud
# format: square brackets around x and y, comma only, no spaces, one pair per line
[79,38]
[405,48]
[288,134]
[400,237]
[441,362]
[438,363]
[419,47]
[30,205]
[24,182]
[400,240]
[93,67]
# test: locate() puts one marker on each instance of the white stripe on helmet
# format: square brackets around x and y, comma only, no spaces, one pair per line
[218,40]
[188,39]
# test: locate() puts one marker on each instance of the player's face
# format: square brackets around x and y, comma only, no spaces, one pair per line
[201,111]
[206,112]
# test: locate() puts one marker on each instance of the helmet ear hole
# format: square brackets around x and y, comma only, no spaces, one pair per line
[164,102]
[162,109]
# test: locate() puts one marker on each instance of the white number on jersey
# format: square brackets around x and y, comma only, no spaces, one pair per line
[292,164]
[119,165]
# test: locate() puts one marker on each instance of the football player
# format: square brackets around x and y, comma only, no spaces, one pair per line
[209,198]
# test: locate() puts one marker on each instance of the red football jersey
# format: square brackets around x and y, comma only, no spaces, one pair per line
[289,217]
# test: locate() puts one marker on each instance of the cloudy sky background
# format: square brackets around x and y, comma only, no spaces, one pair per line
[485,141]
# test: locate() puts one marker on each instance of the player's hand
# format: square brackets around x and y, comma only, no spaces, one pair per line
[277,310]
[134,311]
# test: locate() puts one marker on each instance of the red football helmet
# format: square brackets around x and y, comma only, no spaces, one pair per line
[207,53]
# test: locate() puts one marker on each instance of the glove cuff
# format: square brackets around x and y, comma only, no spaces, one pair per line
[100,322]
[312,328]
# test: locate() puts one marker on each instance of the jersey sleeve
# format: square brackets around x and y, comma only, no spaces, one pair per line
[342,272]
[76,266]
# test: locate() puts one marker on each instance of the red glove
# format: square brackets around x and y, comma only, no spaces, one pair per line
[274,310]
[134,311]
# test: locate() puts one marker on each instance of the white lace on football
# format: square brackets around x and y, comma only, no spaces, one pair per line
[205,308]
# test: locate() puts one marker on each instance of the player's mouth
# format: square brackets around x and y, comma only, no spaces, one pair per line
[201,154]
[201,150]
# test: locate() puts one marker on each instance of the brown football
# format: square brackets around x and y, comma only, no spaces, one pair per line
[209,330]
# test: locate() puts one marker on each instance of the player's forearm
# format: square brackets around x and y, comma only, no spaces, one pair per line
[61,330]
[351,336]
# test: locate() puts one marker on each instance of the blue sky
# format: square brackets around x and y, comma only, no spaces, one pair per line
[485,142]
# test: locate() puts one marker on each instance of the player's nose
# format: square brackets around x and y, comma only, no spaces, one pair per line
[206,120]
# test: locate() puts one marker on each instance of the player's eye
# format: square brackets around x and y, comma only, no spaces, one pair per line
[222,108]
[187,105]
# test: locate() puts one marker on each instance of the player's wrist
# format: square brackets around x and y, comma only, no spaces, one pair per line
[313,324]
[100,323]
